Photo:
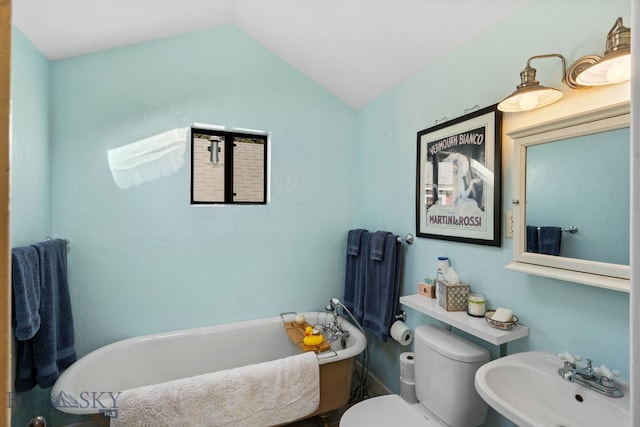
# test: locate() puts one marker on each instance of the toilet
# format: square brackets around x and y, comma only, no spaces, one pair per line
[445,366]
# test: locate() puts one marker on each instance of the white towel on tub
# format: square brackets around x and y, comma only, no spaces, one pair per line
[263,394]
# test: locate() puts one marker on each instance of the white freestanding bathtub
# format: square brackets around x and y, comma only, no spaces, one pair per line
[92,384]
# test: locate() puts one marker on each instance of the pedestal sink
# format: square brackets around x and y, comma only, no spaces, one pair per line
[526,389]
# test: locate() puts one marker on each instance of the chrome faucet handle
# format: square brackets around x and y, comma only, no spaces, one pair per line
[588,371]
[566,372]
[606,377]
[607,382]
[570,357]
[605,372]
[589,367]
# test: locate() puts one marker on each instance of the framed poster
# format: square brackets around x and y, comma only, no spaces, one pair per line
[458,187]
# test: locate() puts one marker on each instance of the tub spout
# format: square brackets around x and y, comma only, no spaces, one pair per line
[335,302]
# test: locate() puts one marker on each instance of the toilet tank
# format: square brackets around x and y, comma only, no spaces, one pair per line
[445,366]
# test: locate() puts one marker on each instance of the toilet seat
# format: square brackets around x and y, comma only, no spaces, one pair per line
[385,411]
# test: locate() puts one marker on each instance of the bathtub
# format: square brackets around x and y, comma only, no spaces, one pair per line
[91,385]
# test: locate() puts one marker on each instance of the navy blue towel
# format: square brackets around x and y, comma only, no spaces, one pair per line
[372,280]
[354,240]
[532,238]
[51,350]
[25,281]
[356,271]
[382,290]
[378,242]
[549,239]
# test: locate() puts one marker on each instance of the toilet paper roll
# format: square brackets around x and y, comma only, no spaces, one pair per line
[408,391]
[401,333]
[407,372]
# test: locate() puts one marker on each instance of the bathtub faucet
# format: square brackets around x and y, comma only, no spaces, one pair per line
[333,306]
[333,330]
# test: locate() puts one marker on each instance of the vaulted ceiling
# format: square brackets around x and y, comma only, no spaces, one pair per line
[356,49]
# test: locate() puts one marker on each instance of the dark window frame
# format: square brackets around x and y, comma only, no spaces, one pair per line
[229,144]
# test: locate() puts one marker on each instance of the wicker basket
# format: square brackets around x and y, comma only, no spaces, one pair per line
[453,297]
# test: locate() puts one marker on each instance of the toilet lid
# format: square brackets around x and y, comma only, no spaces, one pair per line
[384,411]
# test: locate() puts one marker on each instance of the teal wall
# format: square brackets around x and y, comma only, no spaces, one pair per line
[589,321]
[30,165]
[143,260]
[30,206]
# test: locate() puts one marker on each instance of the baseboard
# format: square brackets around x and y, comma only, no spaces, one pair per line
[376,387]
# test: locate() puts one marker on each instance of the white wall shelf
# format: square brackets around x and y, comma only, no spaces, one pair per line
[475,326]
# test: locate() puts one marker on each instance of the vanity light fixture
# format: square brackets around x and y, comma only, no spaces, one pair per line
[530,94]
[615,64]
[590,70]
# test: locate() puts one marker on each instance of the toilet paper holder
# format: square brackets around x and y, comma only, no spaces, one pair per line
[401,316]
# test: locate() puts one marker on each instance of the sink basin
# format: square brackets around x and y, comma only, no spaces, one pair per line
[526,389]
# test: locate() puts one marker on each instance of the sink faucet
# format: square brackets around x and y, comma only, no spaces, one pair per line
[569,371]
[587,377]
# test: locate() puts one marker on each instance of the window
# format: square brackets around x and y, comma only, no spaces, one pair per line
[228,167]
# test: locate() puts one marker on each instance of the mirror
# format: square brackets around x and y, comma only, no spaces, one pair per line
[593,216]
[571,198]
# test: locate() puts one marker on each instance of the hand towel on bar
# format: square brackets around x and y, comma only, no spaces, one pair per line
[354,239]
[377,245]
[532,238]
[356,271]
[549,240]
[52,347]
[25,280]
[383,289]
[264,394]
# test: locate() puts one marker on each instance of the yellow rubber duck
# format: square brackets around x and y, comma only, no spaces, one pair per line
[312,337]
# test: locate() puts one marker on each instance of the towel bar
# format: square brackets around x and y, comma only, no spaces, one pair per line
[571,229]
[51,238]
[407,238]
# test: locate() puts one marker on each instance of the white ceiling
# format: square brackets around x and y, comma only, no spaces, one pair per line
[356,49]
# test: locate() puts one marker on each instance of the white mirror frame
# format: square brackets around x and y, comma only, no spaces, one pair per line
[600,274]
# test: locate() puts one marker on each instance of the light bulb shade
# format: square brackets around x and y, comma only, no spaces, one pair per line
[615,65]
[529,98]
[609,70]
